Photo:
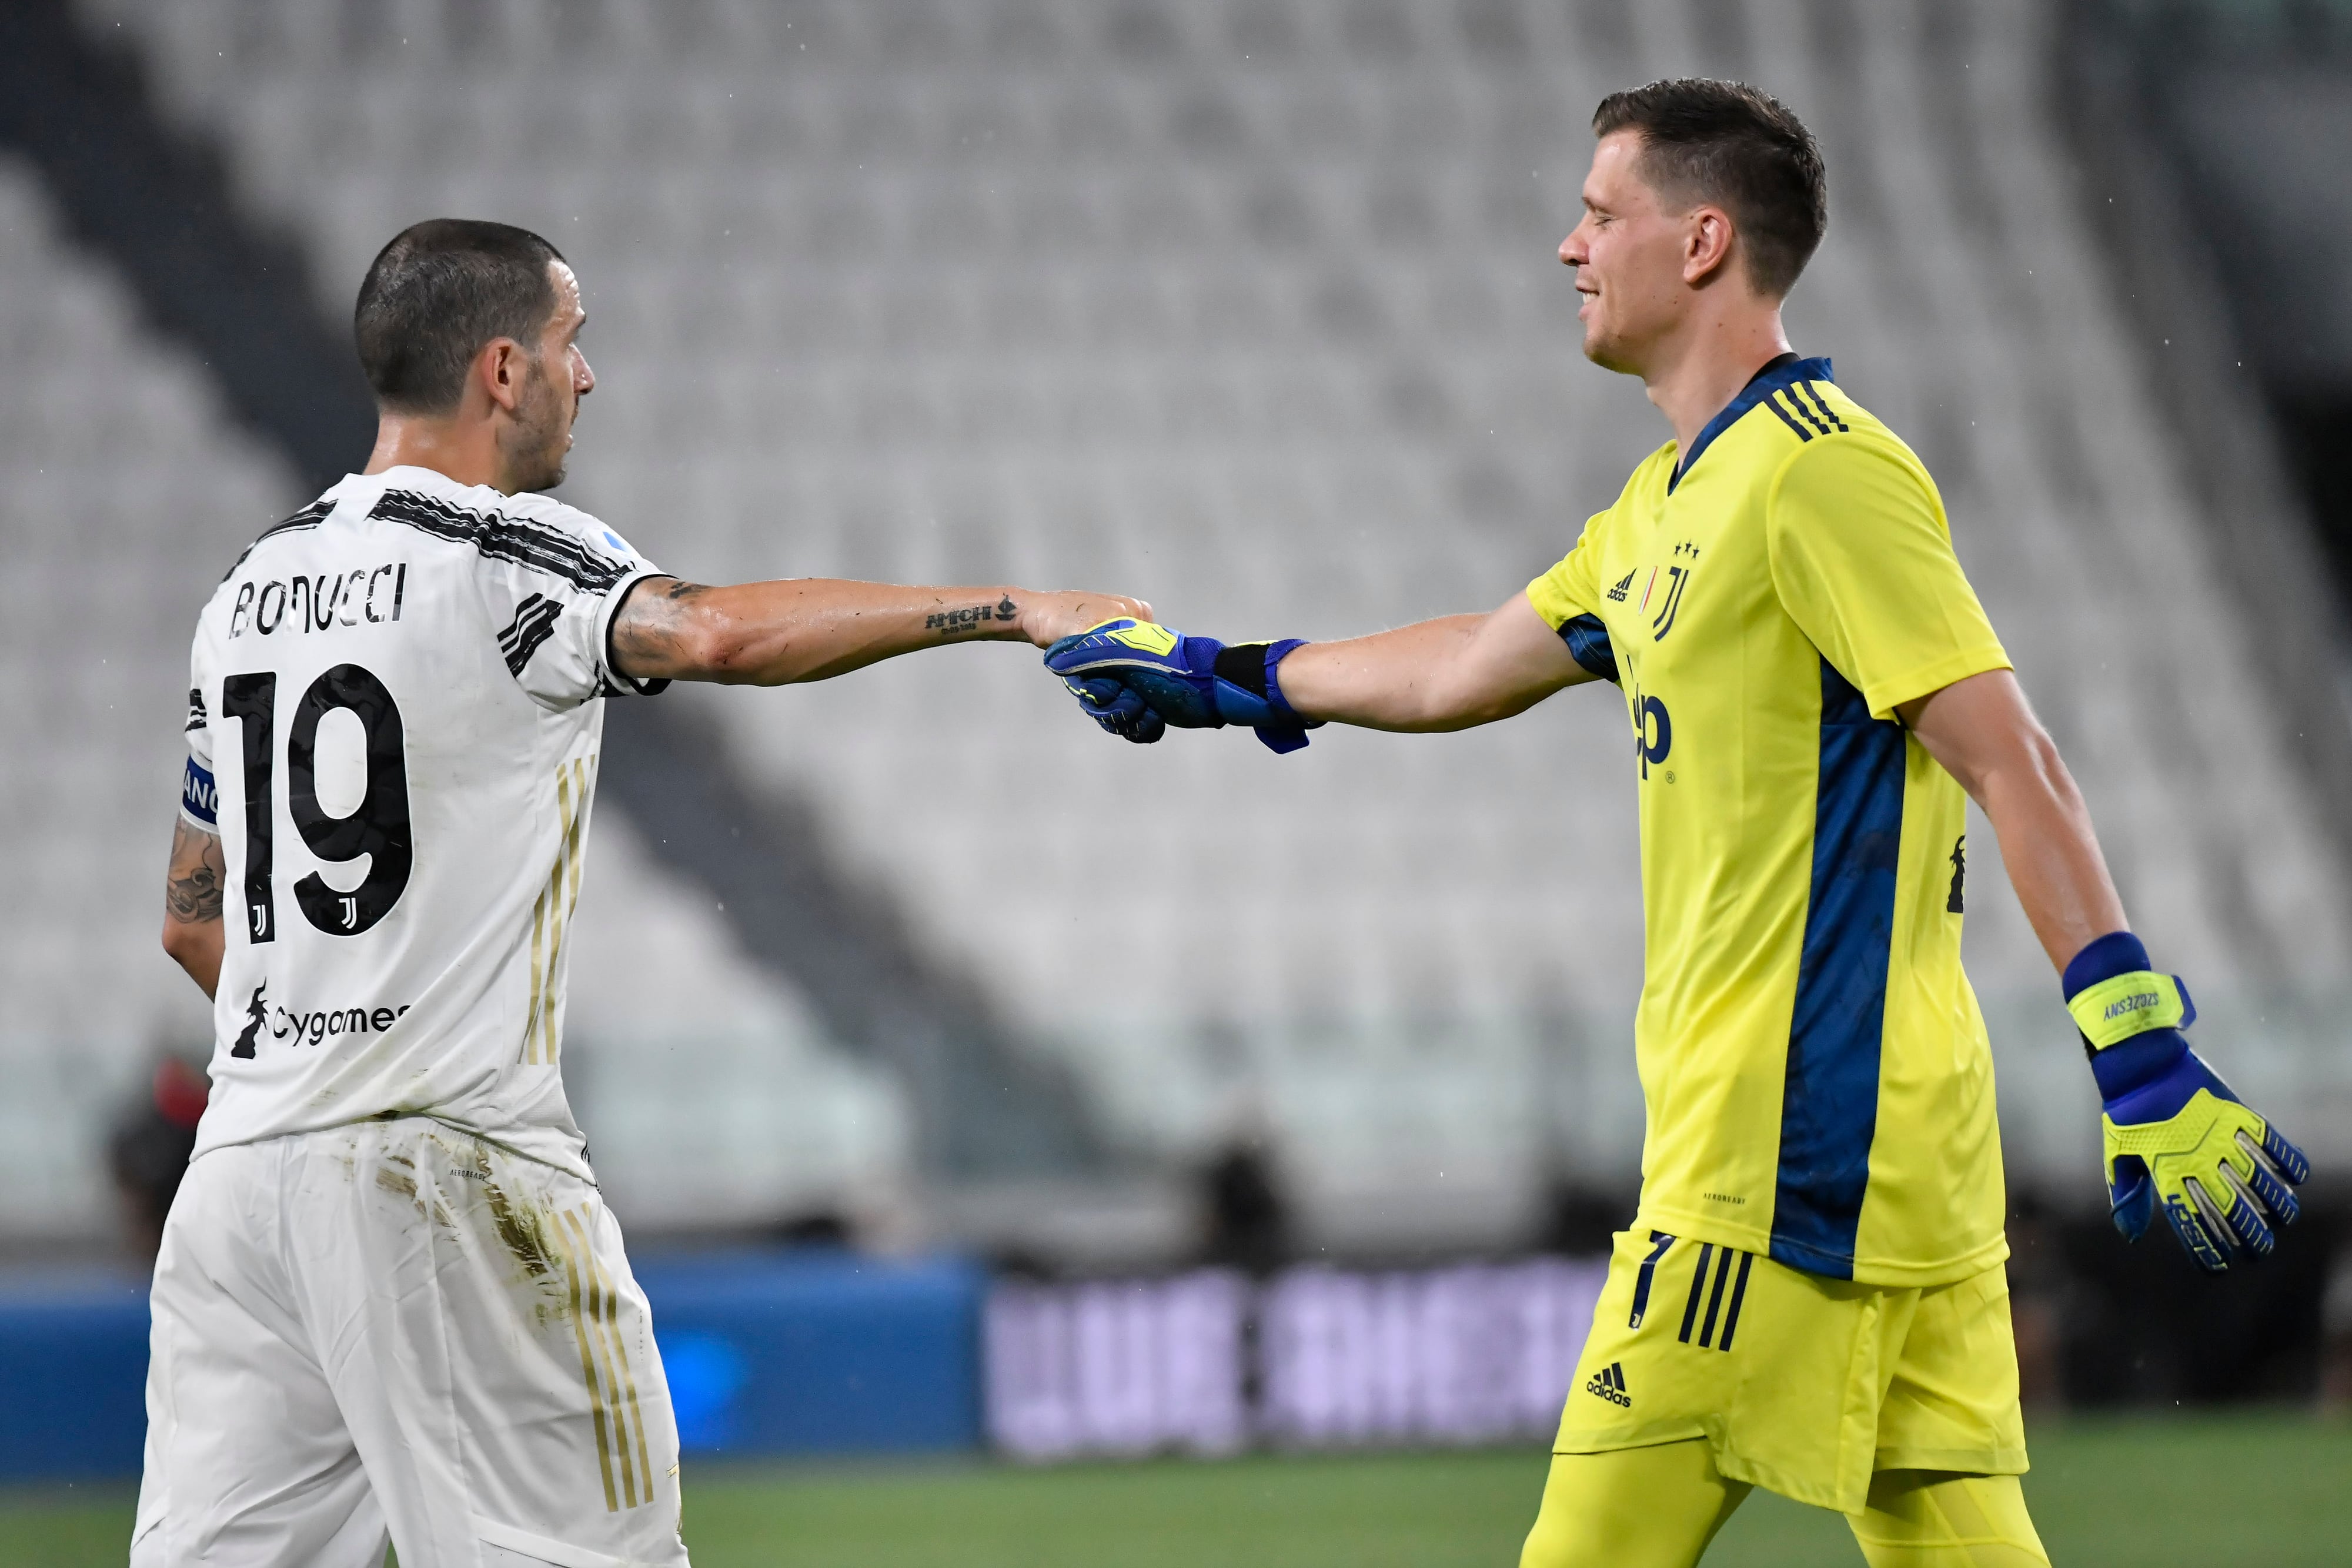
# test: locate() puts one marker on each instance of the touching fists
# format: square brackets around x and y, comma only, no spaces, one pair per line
[1049,617]
[1135,679]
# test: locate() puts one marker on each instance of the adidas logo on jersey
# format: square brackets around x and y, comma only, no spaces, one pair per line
[1609,1383]
[1624,586]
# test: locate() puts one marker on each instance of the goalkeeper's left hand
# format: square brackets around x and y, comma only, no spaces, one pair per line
[1135,679]
[2174,1133]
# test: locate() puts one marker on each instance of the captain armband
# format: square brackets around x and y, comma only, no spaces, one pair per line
[199,801]
[2117,1008]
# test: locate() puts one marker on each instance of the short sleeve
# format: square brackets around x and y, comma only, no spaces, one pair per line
[1571,588]
[555,617]
[1862,559]
[199,803]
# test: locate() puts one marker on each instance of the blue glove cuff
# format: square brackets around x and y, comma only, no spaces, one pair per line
[2116,952]
[2130,1064]
[1274,653]
[1247,693]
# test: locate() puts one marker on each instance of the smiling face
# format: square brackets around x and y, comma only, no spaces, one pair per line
[1636,256]
[537,441]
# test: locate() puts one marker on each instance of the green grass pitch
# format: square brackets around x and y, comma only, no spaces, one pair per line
[2274,1490]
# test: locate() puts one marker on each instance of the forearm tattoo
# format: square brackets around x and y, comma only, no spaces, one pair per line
[194,886]
[647,631]
[952,622]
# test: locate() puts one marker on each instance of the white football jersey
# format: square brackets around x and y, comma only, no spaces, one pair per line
[394,719]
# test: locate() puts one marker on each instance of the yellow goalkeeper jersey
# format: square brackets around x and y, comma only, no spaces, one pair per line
[1818,1082]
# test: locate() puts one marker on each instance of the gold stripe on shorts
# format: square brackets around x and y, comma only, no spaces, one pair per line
[593,1304]
[634,1425]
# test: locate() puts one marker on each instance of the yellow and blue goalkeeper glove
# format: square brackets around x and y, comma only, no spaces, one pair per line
[1135,679]
[2174,1136]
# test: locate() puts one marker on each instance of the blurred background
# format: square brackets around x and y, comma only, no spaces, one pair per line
[1288,1108]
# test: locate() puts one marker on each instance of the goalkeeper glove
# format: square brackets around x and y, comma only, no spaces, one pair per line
[1134,678]
[2174,1133]
[1117,710]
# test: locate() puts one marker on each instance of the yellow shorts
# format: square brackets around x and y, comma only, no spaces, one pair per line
[1801,1385]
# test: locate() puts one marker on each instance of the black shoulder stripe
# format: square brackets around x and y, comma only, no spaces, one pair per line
[501,537]
[1773,403]
[1807,414]
[196,708]
[530,608]
[534,623]
[310,516]
[1819,402]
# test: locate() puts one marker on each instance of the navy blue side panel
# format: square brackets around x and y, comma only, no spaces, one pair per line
[1588,646]
[1829,1112]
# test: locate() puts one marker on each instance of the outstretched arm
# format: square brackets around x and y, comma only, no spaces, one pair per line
[1985,735]
[1136,680]
[1449,674]
[2174,1136]
[810,628]
[192,904]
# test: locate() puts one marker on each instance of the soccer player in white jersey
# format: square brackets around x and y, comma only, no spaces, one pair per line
[390,1300]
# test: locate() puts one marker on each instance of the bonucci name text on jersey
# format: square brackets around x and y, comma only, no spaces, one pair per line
[314,603]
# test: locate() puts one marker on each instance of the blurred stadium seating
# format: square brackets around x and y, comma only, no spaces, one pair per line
[127,494]
[1250,308]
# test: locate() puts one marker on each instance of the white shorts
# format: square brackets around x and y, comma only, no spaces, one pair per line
[395,1329]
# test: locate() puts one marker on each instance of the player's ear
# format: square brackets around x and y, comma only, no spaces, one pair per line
[1707,244]
[501,367]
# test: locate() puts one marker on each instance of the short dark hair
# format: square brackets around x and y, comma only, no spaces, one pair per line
[1726,142]
[439,291]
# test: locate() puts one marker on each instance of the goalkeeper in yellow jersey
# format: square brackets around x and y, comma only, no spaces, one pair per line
[1812,1296]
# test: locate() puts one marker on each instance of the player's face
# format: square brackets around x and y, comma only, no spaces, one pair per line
[539,441]
[1628,251]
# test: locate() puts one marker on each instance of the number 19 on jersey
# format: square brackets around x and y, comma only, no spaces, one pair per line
[378,829]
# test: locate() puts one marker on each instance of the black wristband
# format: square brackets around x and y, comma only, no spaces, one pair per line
[1244,664]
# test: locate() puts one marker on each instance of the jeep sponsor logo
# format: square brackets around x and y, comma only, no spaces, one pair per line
[1654,731]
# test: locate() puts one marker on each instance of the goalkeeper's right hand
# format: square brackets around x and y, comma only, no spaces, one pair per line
[2175,1134]
[1135,679]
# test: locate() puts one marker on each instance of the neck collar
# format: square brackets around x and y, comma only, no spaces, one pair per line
[1781,370]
